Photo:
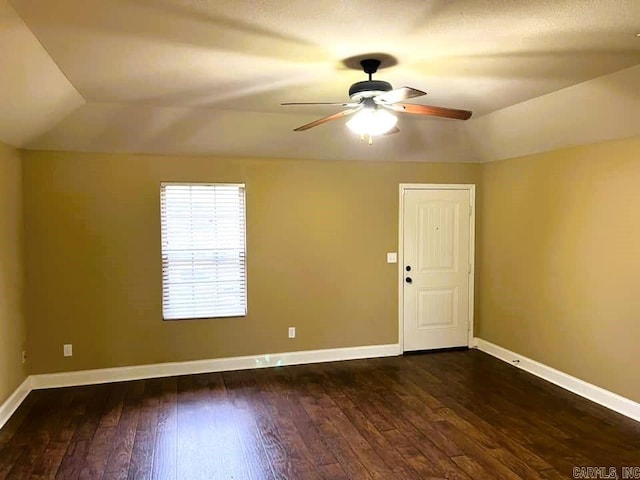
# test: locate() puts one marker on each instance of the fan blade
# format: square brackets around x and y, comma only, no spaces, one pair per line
[430,110]
[320,121]
[399,94]
[395,129]
[342,104]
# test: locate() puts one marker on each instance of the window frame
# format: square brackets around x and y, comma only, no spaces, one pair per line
[240,185]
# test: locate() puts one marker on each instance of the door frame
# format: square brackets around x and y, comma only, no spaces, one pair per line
[471,188]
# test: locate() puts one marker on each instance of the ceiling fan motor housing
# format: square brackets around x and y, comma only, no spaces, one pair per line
[368,89]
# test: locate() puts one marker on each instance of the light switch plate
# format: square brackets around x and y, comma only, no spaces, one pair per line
[392,257]
[68,350]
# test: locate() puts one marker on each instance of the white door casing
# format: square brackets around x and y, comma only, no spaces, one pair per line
[436,243]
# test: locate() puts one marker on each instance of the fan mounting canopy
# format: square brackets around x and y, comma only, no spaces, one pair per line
[370,65]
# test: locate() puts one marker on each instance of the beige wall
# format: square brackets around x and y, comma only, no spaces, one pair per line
[559,260]
[557,257]
[317,232]
[12,320]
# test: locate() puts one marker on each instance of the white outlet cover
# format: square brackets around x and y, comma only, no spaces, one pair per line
[68,350]
[392,257]
[292,332]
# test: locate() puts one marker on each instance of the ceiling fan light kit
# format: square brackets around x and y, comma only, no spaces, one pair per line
[372,122]
[372,102]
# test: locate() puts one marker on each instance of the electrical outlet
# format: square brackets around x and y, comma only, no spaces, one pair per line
[24,356]
[292,332]
[68,350]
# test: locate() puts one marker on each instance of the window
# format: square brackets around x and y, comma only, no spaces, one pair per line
[203,250]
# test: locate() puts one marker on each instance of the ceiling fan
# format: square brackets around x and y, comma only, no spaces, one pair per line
[373,101]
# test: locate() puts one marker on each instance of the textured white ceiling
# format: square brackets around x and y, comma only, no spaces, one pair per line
[34,94]
[199,76]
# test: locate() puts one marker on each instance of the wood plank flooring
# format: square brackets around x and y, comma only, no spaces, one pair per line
[456,415]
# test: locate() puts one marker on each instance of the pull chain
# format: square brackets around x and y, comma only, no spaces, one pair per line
[363,137]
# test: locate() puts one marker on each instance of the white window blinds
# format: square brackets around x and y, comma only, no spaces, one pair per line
[203,250]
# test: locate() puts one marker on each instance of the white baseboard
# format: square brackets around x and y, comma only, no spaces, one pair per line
[594,393]
[120,374]
[138,372]
[12,403]
[587,390]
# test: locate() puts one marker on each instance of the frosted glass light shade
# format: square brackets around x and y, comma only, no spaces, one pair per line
[372,122]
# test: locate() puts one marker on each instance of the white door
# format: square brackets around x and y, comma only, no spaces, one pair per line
[436,267]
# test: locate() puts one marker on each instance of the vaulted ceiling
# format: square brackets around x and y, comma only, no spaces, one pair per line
[208,76]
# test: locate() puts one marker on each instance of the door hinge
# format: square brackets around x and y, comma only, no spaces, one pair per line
[470,209]
[469,272]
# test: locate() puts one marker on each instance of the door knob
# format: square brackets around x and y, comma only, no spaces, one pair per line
[408,280]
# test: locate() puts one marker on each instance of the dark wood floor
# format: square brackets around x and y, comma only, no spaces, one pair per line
[458,415]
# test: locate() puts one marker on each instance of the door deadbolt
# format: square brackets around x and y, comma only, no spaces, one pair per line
[408,280]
